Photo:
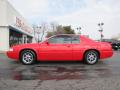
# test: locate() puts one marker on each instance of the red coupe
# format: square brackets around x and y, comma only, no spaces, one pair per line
[63,47]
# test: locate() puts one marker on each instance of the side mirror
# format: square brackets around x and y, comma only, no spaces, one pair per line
[47,42]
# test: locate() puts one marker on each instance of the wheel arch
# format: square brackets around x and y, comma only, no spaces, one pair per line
[28,49]
[93,50]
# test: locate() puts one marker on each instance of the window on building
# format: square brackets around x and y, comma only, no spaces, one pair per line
[15,38]
[29,39]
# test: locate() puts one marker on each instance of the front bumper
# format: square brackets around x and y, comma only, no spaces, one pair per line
[12,55]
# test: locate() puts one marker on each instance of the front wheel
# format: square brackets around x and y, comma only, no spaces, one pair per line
[27,57]
[91,57]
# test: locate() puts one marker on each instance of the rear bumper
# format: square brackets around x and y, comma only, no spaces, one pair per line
[106,54]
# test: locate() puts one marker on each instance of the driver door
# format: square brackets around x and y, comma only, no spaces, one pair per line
[58,48]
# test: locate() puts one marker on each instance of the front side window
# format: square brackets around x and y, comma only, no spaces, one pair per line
[60,39]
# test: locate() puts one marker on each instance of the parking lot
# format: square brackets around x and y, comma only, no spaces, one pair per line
[60,75]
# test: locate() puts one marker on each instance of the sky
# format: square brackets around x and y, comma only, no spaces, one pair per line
[77,13]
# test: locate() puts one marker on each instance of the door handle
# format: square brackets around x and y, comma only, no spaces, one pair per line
[68,46]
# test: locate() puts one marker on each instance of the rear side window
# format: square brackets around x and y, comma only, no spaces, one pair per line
[75,39]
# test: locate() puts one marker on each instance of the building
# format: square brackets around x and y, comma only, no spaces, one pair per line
[13,27]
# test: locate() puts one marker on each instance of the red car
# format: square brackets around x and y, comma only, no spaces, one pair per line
[62,47]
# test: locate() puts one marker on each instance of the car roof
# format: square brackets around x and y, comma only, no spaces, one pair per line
[67,34]
[82,36]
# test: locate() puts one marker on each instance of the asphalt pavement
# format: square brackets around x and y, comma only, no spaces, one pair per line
[105,75]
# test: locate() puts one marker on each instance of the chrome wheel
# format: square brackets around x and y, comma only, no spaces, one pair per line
[27,57]
[91,57]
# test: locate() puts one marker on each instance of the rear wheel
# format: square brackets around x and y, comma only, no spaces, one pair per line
[27,57]
[91,57]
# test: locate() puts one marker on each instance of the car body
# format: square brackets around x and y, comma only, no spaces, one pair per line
[62,47]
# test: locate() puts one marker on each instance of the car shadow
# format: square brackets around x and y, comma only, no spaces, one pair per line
[59,62]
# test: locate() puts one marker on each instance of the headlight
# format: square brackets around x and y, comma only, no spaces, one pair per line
[11,49]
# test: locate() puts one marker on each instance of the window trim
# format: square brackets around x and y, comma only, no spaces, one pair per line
[58,36]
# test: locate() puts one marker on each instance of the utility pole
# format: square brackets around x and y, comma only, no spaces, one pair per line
[101,30]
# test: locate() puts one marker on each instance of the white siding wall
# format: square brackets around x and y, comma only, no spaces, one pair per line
[3,15]
[4,38]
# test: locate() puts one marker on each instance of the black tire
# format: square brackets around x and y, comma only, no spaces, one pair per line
[91,57]
[27,57]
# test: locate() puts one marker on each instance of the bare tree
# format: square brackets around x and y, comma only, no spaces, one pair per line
[44,27]
[36,29]
[53,26]
[40,30]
